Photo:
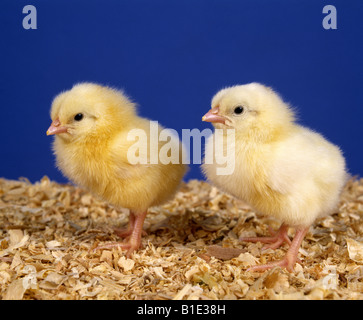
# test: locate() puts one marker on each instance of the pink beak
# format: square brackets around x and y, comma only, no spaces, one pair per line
[56,128]
[213,116]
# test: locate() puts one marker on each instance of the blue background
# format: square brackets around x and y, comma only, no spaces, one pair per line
[171,57]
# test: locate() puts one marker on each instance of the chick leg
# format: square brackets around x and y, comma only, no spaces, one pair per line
[125,232]
[290,258]
[134,240]
[275,241]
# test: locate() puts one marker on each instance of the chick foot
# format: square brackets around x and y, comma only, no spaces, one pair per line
[290,258]
[134,232]
[126,232]
[275,241]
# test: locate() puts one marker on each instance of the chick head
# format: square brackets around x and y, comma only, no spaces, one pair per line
[89,110]
[252,109]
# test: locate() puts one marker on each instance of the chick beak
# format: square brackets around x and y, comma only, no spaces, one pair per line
[213,116]
[56,128]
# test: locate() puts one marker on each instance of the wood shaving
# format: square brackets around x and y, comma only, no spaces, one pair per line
[224,253]
[355,250]
[191,250]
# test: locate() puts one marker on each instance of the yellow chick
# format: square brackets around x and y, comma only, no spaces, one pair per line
[282,169]
[91,124]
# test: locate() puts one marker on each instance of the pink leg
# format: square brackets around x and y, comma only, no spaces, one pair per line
[125,232]
[290,258]
[134,241]
[276,240]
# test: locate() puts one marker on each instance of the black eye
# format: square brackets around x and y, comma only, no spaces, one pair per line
[238,110]
[78,117]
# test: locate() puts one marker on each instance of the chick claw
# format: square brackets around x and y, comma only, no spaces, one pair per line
[275,241]
[290,258]
[130,246]
[287,262]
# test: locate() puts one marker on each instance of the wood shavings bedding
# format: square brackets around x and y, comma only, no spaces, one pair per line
[48,232]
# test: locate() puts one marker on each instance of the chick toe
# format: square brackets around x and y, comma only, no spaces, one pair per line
[290,258]
[275,241]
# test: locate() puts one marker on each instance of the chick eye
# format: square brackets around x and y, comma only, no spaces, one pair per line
[78,117]
[238,110]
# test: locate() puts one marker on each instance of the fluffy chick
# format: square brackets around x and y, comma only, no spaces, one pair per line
[282,169]
[91,125]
